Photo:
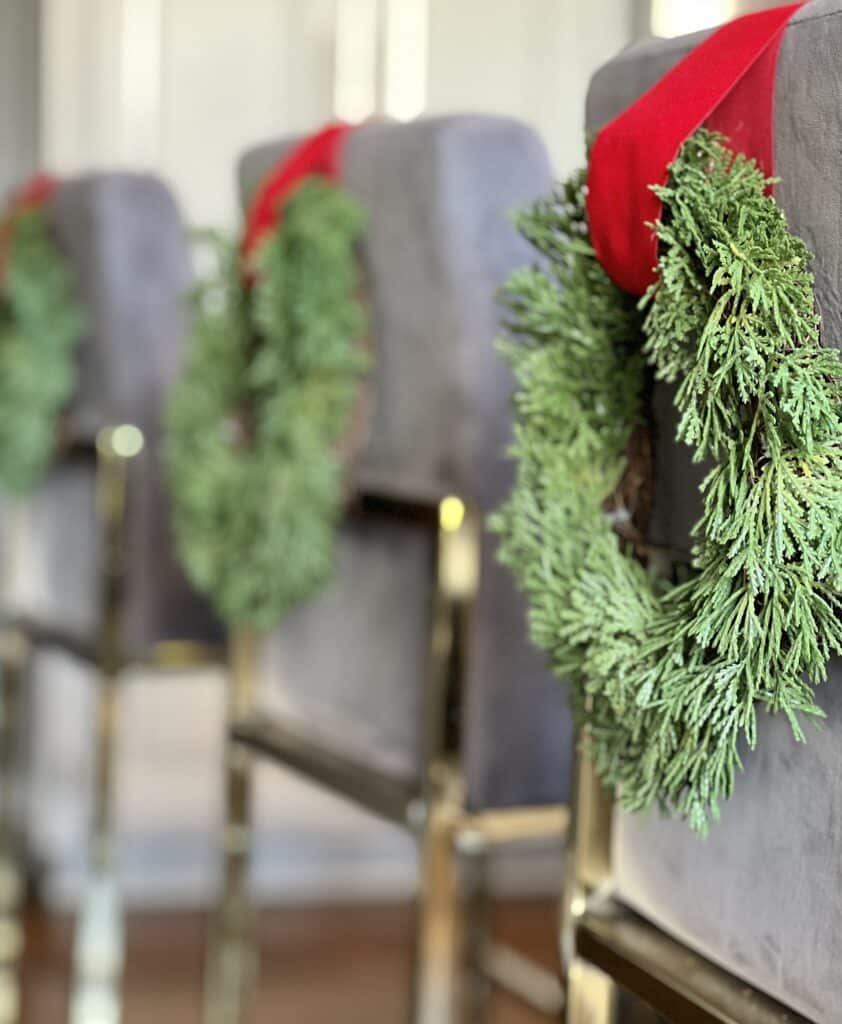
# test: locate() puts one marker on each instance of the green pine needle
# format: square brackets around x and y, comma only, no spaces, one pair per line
[41,325]
[667,683]
[256,421]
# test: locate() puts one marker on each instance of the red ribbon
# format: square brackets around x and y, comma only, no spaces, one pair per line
[727,83]
[319,154]
[31,195]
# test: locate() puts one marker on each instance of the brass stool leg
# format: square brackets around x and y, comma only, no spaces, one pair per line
[473,855]
[14,661]
[99,944]
[439,929]
[232,957]
[592,997]
[436,995]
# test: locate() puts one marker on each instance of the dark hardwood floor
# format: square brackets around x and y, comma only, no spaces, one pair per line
[348,965]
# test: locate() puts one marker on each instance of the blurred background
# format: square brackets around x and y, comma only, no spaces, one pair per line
[182,88]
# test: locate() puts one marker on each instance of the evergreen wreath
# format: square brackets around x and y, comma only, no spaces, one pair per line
[257,418]
[41,325]
[667,681]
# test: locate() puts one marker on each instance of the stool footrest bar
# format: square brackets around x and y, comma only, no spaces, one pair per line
[384,795]
[669,977]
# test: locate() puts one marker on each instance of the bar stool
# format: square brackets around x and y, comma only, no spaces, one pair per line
[95,574]
[409,685]
[745,926]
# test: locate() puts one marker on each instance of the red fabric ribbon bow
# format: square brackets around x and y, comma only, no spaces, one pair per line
[727,83]
[33,193]
[29,196]
[319,154]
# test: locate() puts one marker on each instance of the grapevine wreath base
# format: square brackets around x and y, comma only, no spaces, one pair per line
[666,680]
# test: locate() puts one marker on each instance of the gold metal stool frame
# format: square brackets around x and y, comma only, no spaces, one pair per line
[606,946]
[435,812]
[99,939]
[14,653]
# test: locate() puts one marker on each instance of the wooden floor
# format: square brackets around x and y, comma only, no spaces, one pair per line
[319,966]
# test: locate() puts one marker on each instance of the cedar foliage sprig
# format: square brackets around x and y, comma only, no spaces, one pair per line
[257,417]
[668,682]
[41,325]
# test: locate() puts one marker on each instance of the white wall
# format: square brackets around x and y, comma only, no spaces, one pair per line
[183,86]
[81,96]
[18,91]
[230,81]
[528,58]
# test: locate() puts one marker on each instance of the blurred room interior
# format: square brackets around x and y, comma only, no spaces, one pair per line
[180,90]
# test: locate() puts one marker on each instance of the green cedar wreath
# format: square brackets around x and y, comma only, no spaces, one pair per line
[257,419]
[41,325]
[667,680]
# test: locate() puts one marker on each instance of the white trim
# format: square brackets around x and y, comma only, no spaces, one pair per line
[406,58]
[355,59]
[81,45]
[670,19]
[141,85]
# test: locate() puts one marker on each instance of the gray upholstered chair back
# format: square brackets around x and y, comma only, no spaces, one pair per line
[438,246]
[126,244]
[762,894]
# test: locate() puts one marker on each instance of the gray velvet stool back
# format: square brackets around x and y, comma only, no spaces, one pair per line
[126,244]
[762,895]
[437,247]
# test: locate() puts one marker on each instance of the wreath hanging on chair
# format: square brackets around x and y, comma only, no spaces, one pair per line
[41,326]
[667,680]
[257,420]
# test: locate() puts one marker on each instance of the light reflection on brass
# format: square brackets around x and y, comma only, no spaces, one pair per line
[451,513]
[127,441]
[232,959]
